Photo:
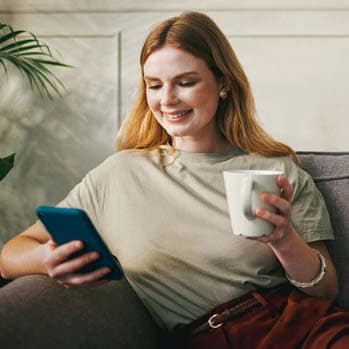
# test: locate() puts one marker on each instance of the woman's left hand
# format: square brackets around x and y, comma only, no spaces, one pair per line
[280,219]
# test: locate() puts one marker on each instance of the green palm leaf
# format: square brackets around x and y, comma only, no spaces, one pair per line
[6,164]
[31,57]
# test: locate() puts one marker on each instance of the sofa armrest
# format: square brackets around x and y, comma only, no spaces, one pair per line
[36,312]
[330,171]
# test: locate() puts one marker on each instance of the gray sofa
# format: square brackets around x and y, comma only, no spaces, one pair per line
[36,312]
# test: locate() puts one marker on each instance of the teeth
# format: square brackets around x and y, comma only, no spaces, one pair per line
[177,116]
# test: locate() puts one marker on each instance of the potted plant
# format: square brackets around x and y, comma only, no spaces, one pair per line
[33,58]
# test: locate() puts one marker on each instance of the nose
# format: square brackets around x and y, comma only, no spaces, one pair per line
[168,96]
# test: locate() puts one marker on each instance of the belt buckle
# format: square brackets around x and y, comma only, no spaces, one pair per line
[211,324]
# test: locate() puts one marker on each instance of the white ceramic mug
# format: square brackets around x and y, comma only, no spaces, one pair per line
[243,190]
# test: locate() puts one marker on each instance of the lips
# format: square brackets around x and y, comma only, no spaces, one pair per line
[177,115]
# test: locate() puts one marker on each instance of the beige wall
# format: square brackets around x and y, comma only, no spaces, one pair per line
[295,53]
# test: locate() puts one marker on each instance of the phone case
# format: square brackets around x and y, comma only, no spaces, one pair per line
[67,224]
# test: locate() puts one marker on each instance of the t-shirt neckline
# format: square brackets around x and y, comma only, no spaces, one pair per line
[202,157]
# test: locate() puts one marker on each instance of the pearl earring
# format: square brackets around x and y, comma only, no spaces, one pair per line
[223,94]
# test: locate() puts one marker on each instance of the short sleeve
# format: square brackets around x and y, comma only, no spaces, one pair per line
[310,217]
[83,195]
[89,195]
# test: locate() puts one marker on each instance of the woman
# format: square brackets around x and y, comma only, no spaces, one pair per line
[160,205]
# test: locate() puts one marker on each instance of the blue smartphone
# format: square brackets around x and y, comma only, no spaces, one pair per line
[67,224]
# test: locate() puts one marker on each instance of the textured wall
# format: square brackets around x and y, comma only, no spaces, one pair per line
[295,53]
[56,143]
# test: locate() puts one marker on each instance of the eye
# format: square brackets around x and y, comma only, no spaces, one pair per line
[186,83]
[154,87]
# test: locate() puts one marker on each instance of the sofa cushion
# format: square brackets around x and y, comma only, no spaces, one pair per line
[330,172]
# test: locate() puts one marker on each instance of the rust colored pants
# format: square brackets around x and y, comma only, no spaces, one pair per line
[283,319]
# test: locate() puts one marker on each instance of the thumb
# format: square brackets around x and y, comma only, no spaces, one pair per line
[52,243]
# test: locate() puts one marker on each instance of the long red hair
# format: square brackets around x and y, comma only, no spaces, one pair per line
[236,116]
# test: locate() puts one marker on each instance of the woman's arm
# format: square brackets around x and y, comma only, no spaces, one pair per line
[25,253]
[33,252]
[301,262]
[299,259]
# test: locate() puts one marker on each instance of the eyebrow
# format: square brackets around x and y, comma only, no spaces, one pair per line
[176,77]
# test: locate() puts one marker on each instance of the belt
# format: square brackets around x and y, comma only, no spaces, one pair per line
[231,310]
[218,319]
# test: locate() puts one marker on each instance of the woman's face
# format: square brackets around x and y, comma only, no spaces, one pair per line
[182,93]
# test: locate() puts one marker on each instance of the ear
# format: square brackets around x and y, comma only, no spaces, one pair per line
[224,84]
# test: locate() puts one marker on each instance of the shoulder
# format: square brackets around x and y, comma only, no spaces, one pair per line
[285,164]
[123,162]
[123,158]
[278,163]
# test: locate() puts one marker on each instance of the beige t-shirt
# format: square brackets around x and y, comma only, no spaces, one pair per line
[166,219]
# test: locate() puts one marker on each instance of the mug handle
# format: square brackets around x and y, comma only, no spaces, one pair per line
[246,194]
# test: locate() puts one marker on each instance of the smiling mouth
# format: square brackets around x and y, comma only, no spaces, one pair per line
[178,116]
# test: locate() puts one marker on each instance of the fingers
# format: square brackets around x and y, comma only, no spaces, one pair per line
[282,202]
[81,280]
[273,218]
[66,271]
[276,235]
[73,265]
[280,219]
[286,187]
[62,253]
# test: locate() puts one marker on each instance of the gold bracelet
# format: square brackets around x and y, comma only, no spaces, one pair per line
[318,277]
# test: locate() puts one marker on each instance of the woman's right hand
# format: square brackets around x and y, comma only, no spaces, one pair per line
[65,271]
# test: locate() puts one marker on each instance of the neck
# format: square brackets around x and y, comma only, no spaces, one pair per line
[192,146]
